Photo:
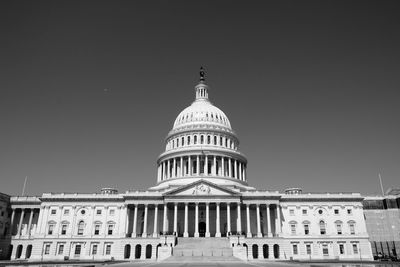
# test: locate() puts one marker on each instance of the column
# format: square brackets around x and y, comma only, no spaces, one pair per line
[21,221]
[12,221]
[198,165]
[196,225]
[244,172]
[144,234]
[206,165]
[155,226]
[230,168]
[217,228]
[236,172]
[278,217]
[215,166]
[168,169]
[165,226]
[173,168]
[248,220]
[181,170]
[190,165]
[39,224]
[240,171]
[134,221]
[268,221]
[222,167]
[186,233]
[176,219]
[28,230]
[207,219]
[163,171]
[259,234]
[128,213]
[239,220]
[228,218]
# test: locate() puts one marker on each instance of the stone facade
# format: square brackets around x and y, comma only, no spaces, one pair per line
[202,191]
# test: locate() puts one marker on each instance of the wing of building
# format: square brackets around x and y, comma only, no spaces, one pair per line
[201,203]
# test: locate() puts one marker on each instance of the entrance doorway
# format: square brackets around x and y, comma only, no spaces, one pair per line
[202,229]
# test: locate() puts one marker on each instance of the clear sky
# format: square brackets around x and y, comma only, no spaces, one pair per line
[90,89]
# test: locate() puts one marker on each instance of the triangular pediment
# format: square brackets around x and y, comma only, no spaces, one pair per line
[202,188]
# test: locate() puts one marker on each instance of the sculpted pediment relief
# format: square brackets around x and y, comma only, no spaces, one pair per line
[202,188]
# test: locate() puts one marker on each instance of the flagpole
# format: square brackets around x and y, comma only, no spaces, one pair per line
[23,188]
[380,180]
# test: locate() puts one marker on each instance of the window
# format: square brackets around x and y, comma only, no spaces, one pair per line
[97,229]
[53,212]
[355,249]
[98,212]
[320,212]
[94,250]
[188,140]
[81,227]
[60,249]
[208,139]
[322,227]
[83,212]
[108,249]
[201,139]
[66,212]
[47,249]
[112,212]
[195,139]
[352,228]
[325,250]
[110,229]
[349,211]
[308,249]
[295,250]
[77,250]
[304,212]
[293,228]
[291,212]
[64,229]
[51,229]
[306,229]
[339,228]
[336,211]
[341,249]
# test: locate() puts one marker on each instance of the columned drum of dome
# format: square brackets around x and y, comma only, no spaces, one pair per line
[201,145]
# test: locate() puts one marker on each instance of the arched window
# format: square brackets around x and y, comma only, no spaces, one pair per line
[81,227]
[183,140]
[220,141]
[138,251]
[148,251]
[322,227]
[28,251]
[18,252]
[255,251]
[127,252]
[208,139]
[195,139]
[202,139]
[215,140]
[188,140]
[276,251]
[265,251]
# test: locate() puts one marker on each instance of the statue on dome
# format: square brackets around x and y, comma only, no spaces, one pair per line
[202,74]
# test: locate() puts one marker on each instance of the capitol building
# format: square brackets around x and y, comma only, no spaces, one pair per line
[202,204]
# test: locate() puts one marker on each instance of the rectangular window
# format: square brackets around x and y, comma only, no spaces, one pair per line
[339,228]
[51,228]
[295,250]
[110,229]
[304,212]
[47,249]
[355,249]
[112,212]
[53,212]
[108,249]
[61,249]
[64,229]
[336,211]
[293,229]
[97,229]
[98,212]
[94,250]
[341,249]
[308,249]
[66,211]
[349,211]
[306,229]
[77,250]
[325,250]
[352,229]
[291,212]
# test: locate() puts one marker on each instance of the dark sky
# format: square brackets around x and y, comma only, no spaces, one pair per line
[90,89]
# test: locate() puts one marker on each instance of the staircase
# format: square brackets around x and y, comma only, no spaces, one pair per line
[199,249]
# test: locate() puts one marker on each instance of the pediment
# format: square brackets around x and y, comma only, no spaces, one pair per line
[202,188]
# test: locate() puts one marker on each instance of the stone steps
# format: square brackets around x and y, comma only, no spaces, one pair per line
[203,247]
